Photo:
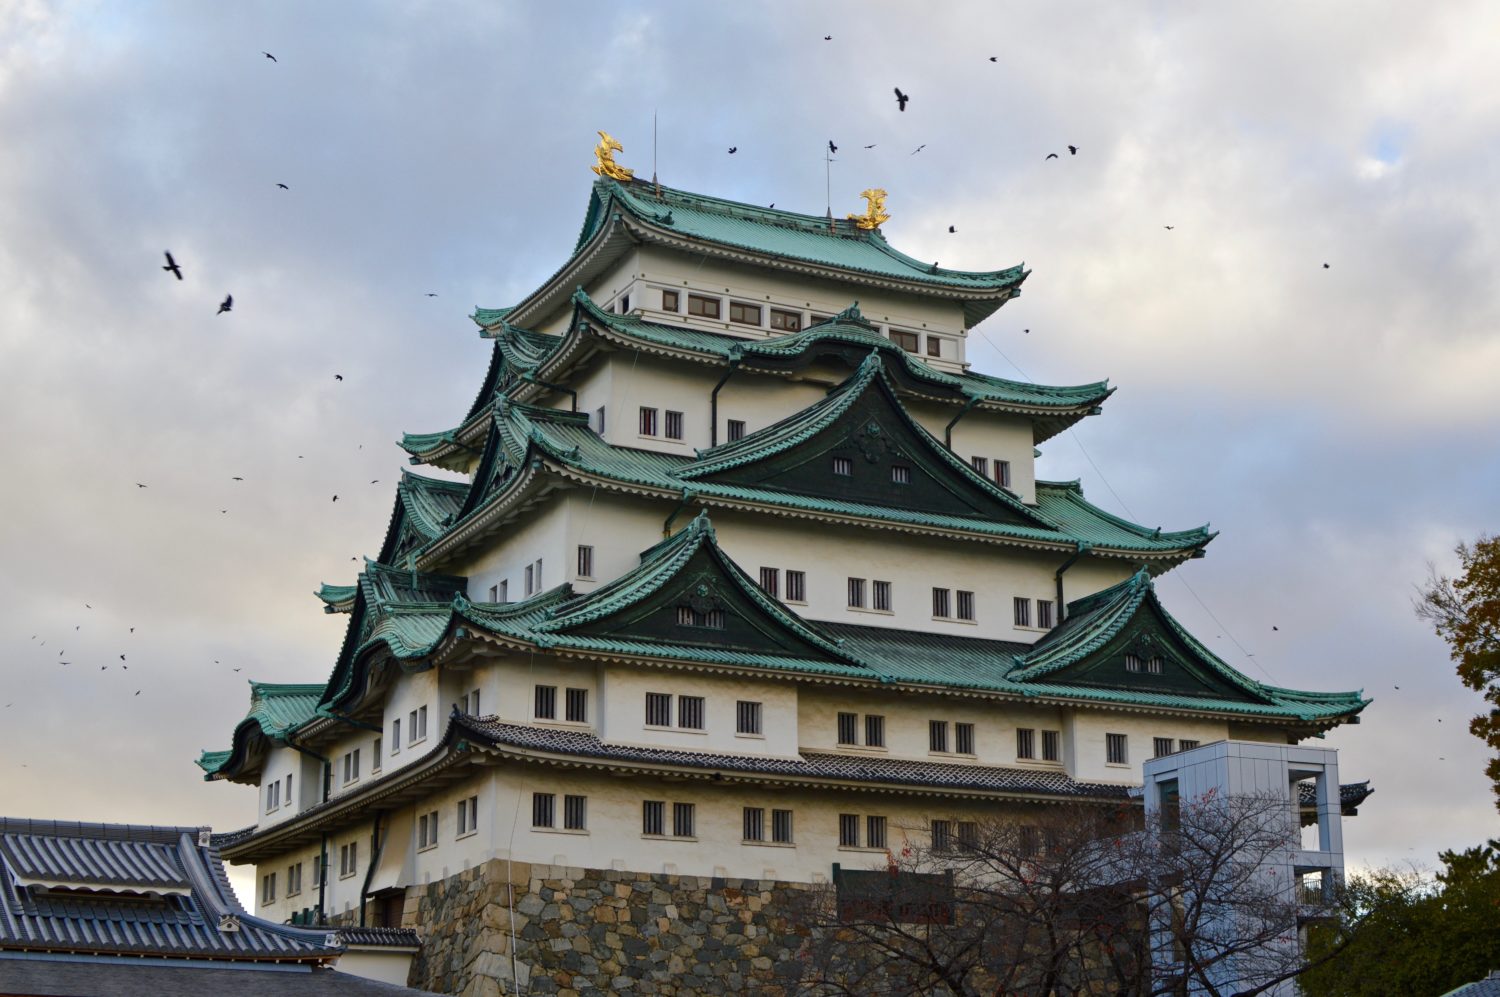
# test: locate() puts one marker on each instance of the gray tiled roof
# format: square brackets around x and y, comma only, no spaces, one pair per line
[1487,987]
[118,889]
[393,937]
[151,978]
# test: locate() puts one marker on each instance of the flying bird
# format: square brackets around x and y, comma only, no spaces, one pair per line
[1275,627]
[1072,150]
[335,498]
[139,485]
[268,55]
[172,266]
[1027,331]
[374,481]
[832,149]
[952,229]
[733,149]
[1169,227]
[338,377]
[431,294]
[901,99]
[1051,155]
[138,692]
[919,148]
[828,38]
[1325,266]
[225,305]
[994,58]
[283,186]
[236,479]
[871,146]
[122,657]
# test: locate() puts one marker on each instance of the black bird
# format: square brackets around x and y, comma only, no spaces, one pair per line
[172,266]
[771,205]
[733,149]
[338,377]
[952,229]
[1325,266]
[138,692]
[283,186]
[138,485]
[833,150]
[86,605]
[374,481]
[122,657]
[901,99]
[1051,155]
[1027,331]
[1169,227]
[431,294]
[1072,150]
[236,669]
[132,629]
[236,479]
[225,305]
[1275,627]
[919,148]
[268,55]
[828,38]
[870,146]
[994,58]
[335,498]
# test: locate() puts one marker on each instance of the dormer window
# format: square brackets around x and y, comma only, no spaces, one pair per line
[843,467]
[900,474]
[712,619]
[1151,665]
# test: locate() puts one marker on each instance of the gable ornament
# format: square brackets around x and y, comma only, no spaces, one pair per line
[604,153]
[874,214]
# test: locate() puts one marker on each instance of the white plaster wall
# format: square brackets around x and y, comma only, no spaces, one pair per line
[990,435]
[540,534]
[281,761]
[623,716]
[340,891]
[1085,744]
[517,676]
[409,692]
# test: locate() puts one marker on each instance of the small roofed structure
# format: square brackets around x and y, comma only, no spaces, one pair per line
[126,909]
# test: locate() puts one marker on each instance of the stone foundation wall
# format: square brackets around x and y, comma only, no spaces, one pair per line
[578,931]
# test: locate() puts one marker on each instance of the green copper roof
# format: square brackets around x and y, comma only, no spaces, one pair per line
[425,508]
[276,709]
[337,598]
[780,234]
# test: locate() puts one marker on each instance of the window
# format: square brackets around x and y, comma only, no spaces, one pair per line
[965,605]
[963,738]
[1002,473]
[545,707]
[1161,746]
[784,321]
[375,755]
[743,313]
[468,816]
[1186,745]
[856,593]
[848,728]
[746,718]
[1031,842]
[624,304]
[703,307]
[530,579]
[754,823]
[736,430]
[289,775]
[934,346]
[273,795]
[941,603]
[981,465]
[504,590]
[816,319]
[1044,613]
[684,820]
[875,832]
[658,709]
[395,735]
[848,830]
[687,616]
[796,586]
[843,467]
[1153,665]
[294,879]
[781,827]
[908,341]
[653,817]
[351,766]
[674,425]
[1025,743]
[942,835]
[427,830]
[874,731]
[900,474]
[538,574]
[494,593]
[585,561]
[543,809]
[575,812]
[576,706]
[669,301]
[348,859]
[1023,612]
[268,888]
[1051,746]
[770,581]
[599,422]
[648,421]
[317,870]
[690,712]
[1115,752]
[968,835]
[880,596]
[419,726]
[937,735]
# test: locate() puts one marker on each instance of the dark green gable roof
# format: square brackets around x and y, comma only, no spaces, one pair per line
[276,709]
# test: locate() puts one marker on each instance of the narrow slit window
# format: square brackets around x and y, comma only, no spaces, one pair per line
[781,827]
[874,731]
[673,425]
[942,835]
[1023,611]
[575,812]
[856,593]
[965,605]
[875,832]
[1025,743]
[880,593]
[747,717]
[843,467]
[648,421]
[546,702]
[754,824]
[796,586]
[658,709]
[848,830]
[735,430]
[1161,746]
[900,474]
[543,809]
[576,706]
[1051,746]
[585,561]
[684,820]
[941,603]
[848,728]
[1116,751]
[770,581]
[937,735]
[963,738]
[1002,473]
[1044,613]
[981,465]
[653,817]
[690,712]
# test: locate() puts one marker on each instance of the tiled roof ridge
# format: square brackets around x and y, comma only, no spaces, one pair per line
[162,834]
[1073,491]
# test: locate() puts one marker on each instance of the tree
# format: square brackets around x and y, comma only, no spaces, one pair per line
[1075,905]
[1410,936]
[1465,612]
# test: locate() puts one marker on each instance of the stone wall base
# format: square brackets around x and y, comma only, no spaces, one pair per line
[574,931]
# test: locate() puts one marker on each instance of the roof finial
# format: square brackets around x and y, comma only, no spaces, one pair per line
[874,214]
[605,153]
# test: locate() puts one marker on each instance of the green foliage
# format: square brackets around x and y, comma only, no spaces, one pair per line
[1465,612]
[1408,936]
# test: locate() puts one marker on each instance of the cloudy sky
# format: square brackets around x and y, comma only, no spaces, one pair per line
[1339,425]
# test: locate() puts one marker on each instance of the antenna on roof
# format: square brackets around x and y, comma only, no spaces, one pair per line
[828,184]
[654,182]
